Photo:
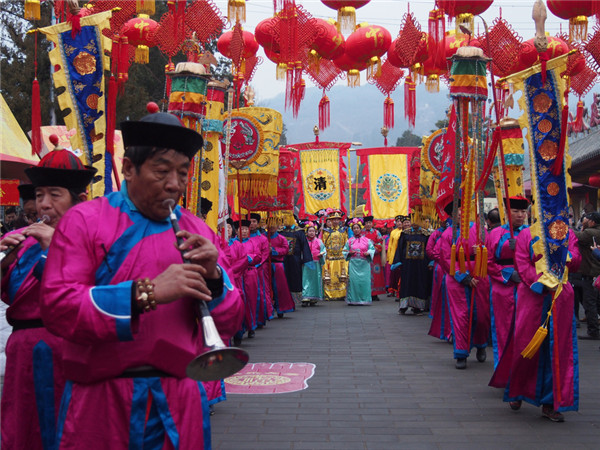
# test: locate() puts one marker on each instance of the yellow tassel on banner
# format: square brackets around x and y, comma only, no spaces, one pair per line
[478,261]
[32,10]
[484,261]
[145,7]
[236,11]
[453,260]
[461,259]
[142,54]
[541,333]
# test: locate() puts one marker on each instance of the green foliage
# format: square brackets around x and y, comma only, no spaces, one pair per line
[409,139]
[442,123]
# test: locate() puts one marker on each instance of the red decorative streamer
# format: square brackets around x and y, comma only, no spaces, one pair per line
[410,101]
[324,112]
[388,113]
[36,112]
[564,123]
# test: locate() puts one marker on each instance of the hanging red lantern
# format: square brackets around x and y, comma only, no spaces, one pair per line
[276,58]
[464,10]
[529,55]
[576,12]
[594,180]
[352,67]
[250,45]
[369,43]
[329,43]
[140,33]
[264,33]
[346,12]
[392,57]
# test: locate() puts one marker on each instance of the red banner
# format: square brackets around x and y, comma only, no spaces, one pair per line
[9,192]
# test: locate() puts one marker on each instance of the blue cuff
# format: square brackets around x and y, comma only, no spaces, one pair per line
[507,273]
[395,266]
[459,277]
[227,287]
[537,287]
[274,252]
[38,269]
[115,301]
[596,253]
[430,264]
[311,265]
[249,259]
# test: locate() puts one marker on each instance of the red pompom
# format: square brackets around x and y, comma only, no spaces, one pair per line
[54,139]
[152,108]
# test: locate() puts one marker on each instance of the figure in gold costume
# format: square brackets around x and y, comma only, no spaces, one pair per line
[335,273]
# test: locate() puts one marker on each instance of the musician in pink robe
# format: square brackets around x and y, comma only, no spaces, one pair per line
[504,278]
[468,300]
[551,378]
[282,297]
[440,315]
[119,294]
[34,381]
[265,304]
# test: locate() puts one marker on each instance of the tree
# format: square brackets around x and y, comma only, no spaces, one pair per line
[409,139]
[442,123]
[17,56]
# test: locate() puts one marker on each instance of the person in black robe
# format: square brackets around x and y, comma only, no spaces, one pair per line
[412,260]
[298,254]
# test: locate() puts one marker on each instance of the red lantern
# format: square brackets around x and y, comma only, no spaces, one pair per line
[329,43]
[529,55]
[346,12]
[140,32]
[352,68]
[369,43]
[594,180]
[264,33]
[464,10]
[250,45]
[576,12]
[392,57]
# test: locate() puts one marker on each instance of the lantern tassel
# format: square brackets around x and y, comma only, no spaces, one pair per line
[324,112]
[433,83]
[353,78]
[578,28]
[388,113]
[142,54]
[281,71]
[145,7]
[36,119]
[346,21]
[410,101]
[236,11]
[437,31]
[374,68]
[32,10]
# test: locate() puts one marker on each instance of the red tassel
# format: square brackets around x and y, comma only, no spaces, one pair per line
[410,101]
[75,21]
[169,68]
[564,120]
[324,112]
[388,113]
[123,63]
[437,31]
[543,60]
[36,119]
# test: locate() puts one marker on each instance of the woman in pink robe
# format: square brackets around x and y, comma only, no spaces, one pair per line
[551,378]
[439,313]
[281,292]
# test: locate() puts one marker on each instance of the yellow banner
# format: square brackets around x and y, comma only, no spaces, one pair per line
[320,174]
[388,179]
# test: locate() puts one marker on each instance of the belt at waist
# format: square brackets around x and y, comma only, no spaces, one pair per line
[587,277]
[144,372]
[25,324]
[506,262]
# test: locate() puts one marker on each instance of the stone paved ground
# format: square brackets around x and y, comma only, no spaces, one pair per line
[381,383]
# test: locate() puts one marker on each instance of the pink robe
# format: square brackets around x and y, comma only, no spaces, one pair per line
[281,292]
[377,268]
[242,260]
[438,311]
[552,375]
[460,300]
[99,249]
[265,304]
[502,291]
[33,381]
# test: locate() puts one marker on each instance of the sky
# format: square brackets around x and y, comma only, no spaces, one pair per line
[389,14]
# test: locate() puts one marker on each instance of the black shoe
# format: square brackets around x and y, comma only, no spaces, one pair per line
[549,413]
[481,354]
[402,311]
[591,337]
[375,298]
[237,341]
[417,312]
[516,405]
[304,304]
[280,315]
[251,334]
[461,363]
